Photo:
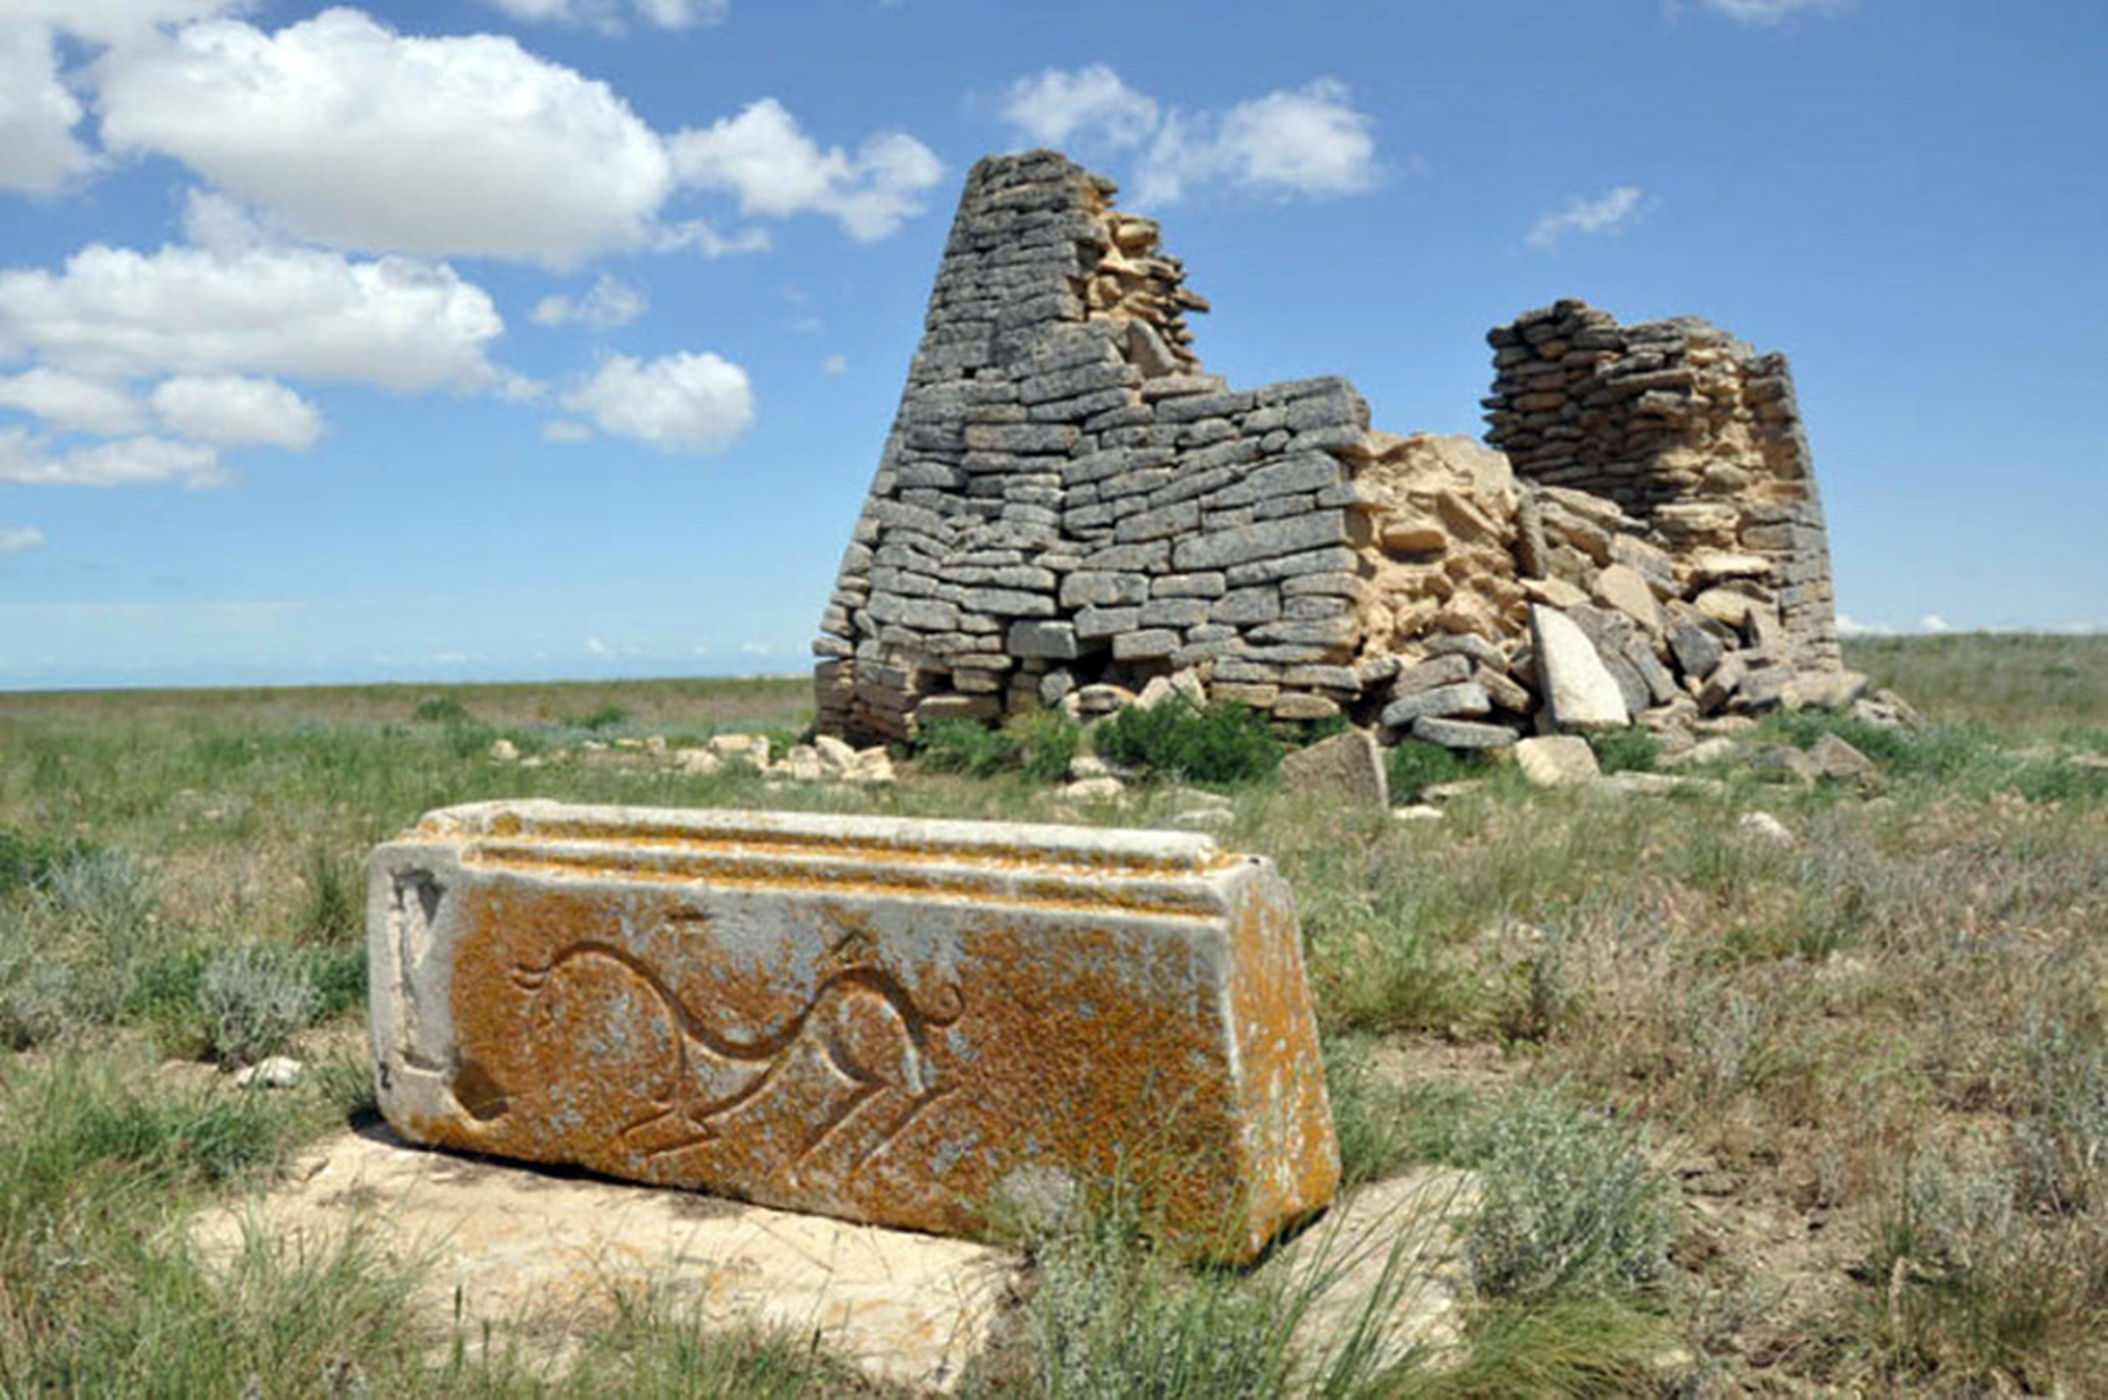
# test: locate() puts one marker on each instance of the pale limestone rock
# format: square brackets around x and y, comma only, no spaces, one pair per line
[1417,812]
[746,748]
[874,766]
[801,764]
[1822,690]
[1347,768]
[1089,765]
[1836,758]
[504,751]
[1624,588]
[1556,760]
[1765,827]
[701,762]
[541,1258]
[277,1072]
[1102,789]
[837,759]
[874,1018]
[1579,691]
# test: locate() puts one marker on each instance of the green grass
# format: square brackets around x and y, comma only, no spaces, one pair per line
[1886,1042]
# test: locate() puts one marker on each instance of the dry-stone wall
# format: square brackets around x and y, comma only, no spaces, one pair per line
[1689,430]
[1068,509]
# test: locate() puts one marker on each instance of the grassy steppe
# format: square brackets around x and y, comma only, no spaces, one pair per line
[1755,1116]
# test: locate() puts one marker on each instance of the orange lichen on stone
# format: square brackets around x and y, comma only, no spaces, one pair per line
[909,1023]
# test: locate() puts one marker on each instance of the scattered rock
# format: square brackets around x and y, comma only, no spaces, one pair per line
[1346,768]
[1463,733]
[1822,690]
[277,1072]
[1766,827]
[752,749]
[1105,789]
[701,762]
[1450,791]
[1556,760]
[1418,812]
[1834,758]
[1579,691]
[1784,762]
[837,759]
[801,764]
[874,766]
[1718,749]
[504,751]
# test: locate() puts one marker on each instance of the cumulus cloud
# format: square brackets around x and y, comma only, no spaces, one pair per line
[1092,102]
[72,402]
[1610,213]
[1310,141]
[612,302]
[514,156]
[14,539]
[27,459]
[117,21]
[235,411]
[776,170]
[566,430]
[677,403]
[1933,622]
[1772,11]
[120,314]
[835,364]
[607,15]
[38,152]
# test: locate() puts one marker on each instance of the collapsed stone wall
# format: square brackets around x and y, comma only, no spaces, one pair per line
[1069,509]
[1688,429]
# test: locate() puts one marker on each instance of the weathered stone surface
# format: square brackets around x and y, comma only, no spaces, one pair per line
[874,1018]
[1556,760]
[1838,759]
[1463,733]
[1442,700]
[541,1259]
[1347,768]
[1578,690]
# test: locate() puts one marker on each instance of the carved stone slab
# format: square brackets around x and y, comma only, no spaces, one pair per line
[914,1023]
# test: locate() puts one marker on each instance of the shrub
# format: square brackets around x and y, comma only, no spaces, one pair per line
[1046,742]
[964,746]
[1629,750]
[333,902]
[1215,744]
[440,709]
[1416,765]
[253,999]
[1572,1208]
[25,862]
[104,891]
[599,718]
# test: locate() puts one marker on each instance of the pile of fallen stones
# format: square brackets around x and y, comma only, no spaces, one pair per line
[825,759]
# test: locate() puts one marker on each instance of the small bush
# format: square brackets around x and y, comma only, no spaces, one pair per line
[333,903]
[1045,742]
[25,862]
[1572,1208]
[602,717]
[253,999]
[440,709]
[1630,750]
[1221,744]
[1416,765]
[1887,747]
[104,892]
[966,747]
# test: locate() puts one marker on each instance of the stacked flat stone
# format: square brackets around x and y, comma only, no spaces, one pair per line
[1070,511]
[1065,499]
[1693,434]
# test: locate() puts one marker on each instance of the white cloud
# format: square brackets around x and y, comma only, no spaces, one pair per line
[72,402]
[606,15]
[1852,627]
[1772,11]
[354,135]
[1610,213]
[612,302]
[117,313]
[26,460]
[14,539]
[233,411]
[705,239]
[566,430]
[1092,102]
[678,403]
[835,364]
[38,153]
[1933,622]
[1309,141]
[776,170]
[116,21]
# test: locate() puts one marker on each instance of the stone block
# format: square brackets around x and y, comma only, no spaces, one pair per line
[1463,733]
[1346,768]
[1557,760]
[1579,690]
[895,1021]
[1442,701]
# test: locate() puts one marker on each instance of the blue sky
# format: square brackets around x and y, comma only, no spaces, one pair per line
[558,338]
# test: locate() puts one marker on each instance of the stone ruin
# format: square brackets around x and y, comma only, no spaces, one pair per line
[1069,509]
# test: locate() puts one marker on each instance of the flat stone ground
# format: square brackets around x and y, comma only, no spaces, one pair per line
[540,1256]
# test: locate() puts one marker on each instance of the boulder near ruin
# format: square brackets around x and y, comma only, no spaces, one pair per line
[1068,507]
[929,1024]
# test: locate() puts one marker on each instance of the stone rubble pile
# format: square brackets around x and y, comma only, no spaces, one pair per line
[1068,511]
[826,759]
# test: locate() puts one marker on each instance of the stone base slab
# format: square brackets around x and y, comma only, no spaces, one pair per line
[914,1023]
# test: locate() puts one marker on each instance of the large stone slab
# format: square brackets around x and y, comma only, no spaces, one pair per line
[904,1022]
